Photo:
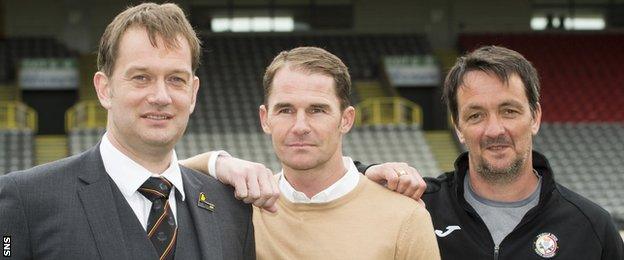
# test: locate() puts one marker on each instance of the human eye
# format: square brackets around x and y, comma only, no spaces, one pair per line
[177,80]
[508,112]
[285,110]
[140,78]
[316,110]
[474,117]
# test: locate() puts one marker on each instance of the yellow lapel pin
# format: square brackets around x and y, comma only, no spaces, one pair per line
[203,203]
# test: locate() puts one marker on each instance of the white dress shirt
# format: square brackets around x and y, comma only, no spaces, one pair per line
[344,185]
[129,176]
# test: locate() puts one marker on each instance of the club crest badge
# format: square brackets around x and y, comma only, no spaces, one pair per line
[546,245]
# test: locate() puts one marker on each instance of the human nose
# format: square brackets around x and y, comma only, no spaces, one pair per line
[160,95]
[494,127]
[301,126]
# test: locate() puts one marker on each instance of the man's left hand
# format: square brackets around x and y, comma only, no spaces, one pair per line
[399,177]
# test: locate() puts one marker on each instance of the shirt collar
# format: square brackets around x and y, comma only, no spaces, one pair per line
[468,191]
[344,185]
[129,175]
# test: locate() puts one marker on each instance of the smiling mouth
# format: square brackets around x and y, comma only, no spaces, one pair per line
[497,147]
[297,145]
[157,117]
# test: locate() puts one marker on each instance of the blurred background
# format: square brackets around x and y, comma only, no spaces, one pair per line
[398,52]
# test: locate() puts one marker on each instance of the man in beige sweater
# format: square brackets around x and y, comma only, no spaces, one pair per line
[327,209]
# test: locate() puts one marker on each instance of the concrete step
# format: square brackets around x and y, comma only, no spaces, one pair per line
[443,147]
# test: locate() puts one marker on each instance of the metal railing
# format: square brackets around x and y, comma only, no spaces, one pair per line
[387,110]
[85,114]
[17,115]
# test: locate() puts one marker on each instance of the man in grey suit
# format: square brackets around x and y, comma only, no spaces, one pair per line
[127,197]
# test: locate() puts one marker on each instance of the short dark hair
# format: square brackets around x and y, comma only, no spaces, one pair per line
[165,20]
[496,60]
[313,60]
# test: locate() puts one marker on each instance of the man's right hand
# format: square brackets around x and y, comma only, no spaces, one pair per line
[254,183]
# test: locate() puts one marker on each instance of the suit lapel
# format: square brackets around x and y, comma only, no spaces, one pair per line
[205,221]
[99,206]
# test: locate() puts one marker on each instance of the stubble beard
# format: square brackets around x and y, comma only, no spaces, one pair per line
[503,176]
[500,176]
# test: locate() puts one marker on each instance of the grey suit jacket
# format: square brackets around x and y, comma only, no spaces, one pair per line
[65,210]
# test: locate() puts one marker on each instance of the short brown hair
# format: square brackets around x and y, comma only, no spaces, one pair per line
[166,21]
[313,60]
[501,62]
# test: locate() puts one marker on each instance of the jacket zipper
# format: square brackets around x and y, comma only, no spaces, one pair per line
[474,214]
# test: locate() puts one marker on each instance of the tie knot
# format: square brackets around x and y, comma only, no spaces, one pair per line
[156,188]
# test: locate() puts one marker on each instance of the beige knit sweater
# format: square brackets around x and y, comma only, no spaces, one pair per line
[370,222]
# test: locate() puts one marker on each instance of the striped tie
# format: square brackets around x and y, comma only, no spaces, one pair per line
[161,226]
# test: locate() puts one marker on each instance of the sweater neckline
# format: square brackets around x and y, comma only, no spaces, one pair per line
[362,184]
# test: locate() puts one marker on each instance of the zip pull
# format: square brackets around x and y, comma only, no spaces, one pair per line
[496,252]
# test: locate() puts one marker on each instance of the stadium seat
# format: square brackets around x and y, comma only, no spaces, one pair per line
[580,73]
[587,158]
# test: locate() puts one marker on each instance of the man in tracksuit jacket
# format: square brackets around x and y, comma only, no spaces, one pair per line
[577,228]
[502,201]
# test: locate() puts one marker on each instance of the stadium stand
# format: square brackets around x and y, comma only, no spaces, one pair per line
[588,159]
[385,143]
[233,66]
[576,69]
[17,128]
[81,139]
[368,143]
[231,72]
[16,151]
[12,50]
[253,146]
[580,72]
[404,143]
[585,154]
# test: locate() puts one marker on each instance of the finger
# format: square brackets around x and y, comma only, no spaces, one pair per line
[260,202]
[266,185]
[404,183]
[419,182]
[274,184]
[240,188]
[266,190]
[270,203]
[376,173]
[422,186]
[412,186]
[392,179]
[253,188]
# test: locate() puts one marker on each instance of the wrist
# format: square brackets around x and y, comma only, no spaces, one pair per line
[212,161]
